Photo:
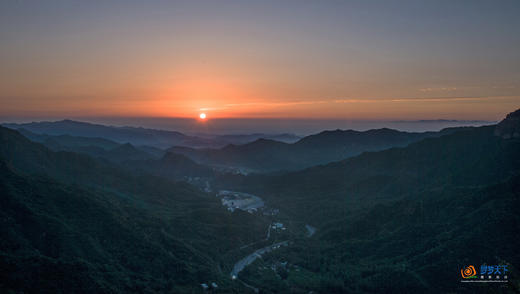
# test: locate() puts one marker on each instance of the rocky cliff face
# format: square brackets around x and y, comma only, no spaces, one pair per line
[510,126]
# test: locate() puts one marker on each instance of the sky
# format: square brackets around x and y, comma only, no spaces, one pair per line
[336,60]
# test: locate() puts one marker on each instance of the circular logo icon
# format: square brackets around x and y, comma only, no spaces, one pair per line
[468,272]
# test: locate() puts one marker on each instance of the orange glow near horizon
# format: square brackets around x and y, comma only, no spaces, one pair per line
[227,87]
[222,91]
[257,60]
[388,108]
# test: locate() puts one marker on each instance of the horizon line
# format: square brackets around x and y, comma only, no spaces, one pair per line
[392,120]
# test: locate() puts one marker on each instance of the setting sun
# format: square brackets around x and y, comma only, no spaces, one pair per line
[202,116]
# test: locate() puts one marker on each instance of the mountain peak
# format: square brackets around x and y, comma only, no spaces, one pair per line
[71,122]
[510,126]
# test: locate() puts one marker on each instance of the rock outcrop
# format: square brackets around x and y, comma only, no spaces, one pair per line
[509,127]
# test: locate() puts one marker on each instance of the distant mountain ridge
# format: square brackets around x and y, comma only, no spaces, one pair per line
[138,136]
[68,140]
[94,146]
[265,155]
[135,136]
[142,159]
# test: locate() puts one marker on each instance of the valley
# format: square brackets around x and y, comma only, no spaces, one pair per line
[352,225]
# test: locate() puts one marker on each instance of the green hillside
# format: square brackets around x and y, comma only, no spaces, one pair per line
[74,224]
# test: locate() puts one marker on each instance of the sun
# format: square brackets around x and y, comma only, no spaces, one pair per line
[202,116]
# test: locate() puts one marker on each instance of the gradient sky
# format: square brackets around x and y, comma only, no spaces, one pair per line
[260,59]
